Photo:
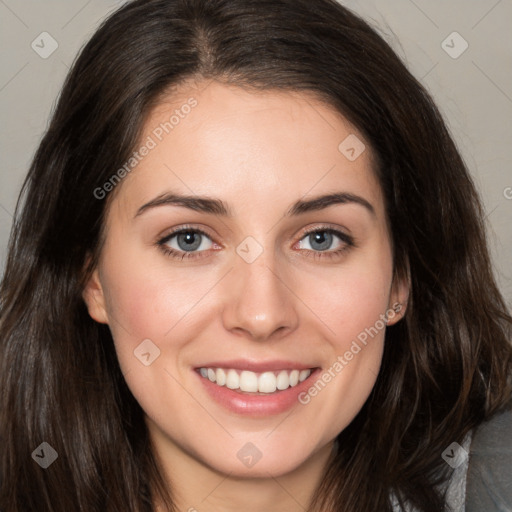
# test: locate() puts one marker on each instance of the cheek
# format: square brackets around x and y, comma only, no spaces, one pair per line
[353,311]
[139,306]
[147,300]
[351,304]
[350,298]
[149,312]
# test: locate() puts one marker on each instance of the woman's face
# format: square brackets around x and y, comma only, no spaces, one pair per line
[283,267]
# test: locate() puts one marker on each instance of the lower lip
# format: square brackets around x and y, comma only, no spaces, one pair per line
[256,405]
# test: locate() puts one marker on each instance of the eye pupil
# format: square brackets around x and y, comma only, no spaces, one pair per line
[189,241]
[323,238]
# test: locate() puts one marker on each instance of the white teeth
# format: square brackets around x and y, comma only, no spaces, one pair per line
[304,374]
[266,382]
[248,381]
[232,380]
[221,376]
[283,381]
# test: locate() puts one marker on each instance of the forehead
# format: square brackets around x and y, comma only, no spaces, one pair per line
[252,148]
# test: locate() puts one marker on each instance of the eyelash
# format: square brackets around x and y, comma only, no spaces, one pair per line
[348,240]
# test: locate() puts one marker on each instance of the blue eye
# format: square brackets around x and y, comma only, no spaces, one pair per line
[320,241]
[183,243]
[188,243]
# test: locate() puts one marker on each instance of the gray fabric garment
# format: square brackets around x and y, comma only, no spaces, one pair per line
[456,491]
[456,485]
[481,482]
[489,480]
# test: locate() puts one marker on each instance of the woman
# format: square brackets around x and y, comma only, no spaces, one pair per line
[173,338]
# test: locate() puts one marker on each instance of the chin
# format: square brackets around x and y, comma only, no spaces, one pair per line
[246,458]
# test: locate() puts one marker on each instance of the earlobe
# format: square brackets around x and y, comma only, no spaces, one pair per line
[398,299]
[95,299]
[395,313]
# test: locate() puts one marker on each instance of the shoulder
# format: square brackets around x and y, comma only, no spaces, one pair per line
[489,476]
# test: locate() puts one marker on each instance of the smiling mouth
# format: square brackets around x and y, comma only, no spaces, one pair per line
[254,383]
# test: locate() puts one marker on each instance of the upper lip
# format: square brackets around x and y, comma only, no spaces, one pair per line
[257,366]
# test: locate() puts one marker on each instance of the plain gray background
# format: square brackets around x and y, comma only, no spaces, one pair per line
[472,86]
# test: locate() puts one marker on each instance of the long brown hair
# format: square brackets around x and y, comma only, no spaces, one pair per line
[446,365]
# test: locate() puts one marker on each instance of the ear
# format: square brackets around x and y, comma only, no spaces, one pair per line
[95,298]
[399,297]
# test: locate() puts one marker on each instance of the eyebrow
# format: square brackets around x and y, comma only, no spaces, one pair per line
[218,207]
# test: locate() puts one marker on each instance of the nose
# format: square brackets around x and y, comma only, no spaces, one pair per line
[260,303]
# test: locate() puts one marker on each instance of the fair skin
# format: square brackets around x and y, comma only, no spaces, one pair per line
[259,153]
